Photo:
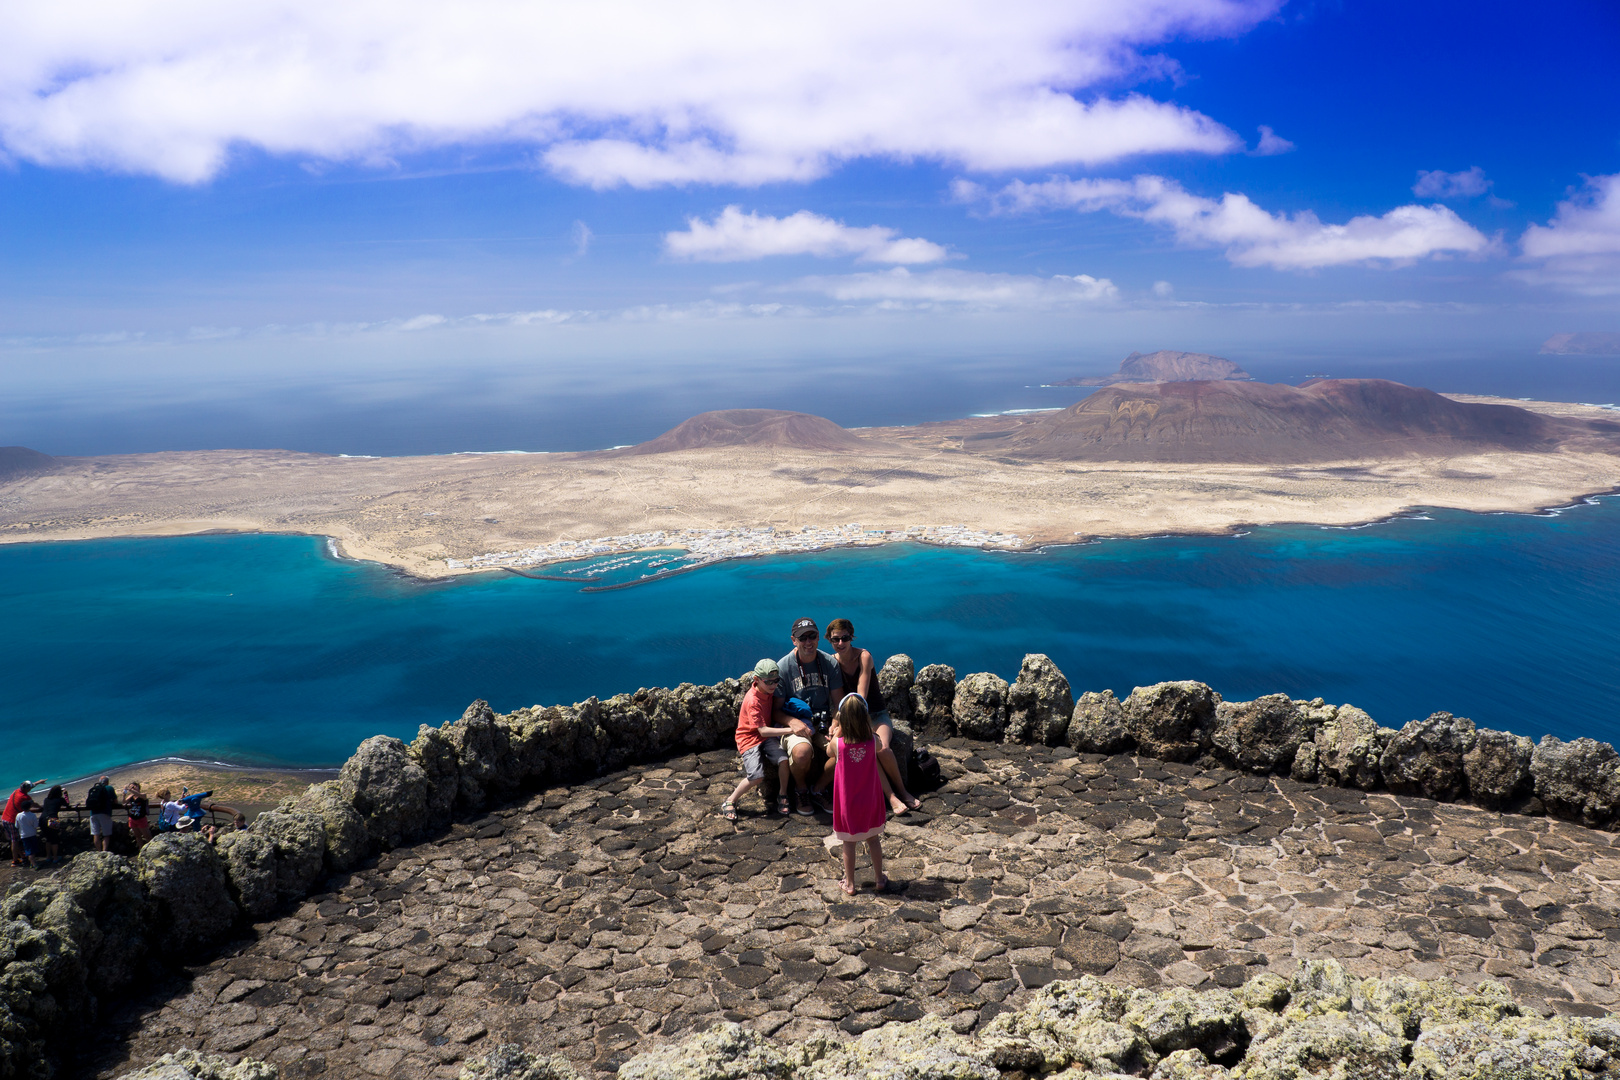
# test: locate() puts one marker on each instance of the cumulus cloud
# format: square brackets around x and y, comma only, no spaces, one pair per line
[615,92]
[1579,249]
[900,287]
[1271,143]
[1251,235]
[1438,184]
[734,236]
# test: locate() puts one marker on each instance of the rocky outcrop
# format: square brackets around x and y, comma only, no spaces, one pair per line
[1497,768]
[250,869]
[1426,757]
[1577,780]
[1172,721]
[1349,747]
[933,698]
[388,789]
[191,1065]
[1039,703]
[1262,735]
[185,879]
[896,678]
[108,889]
[347,839]
[980,708]
[511,1062]
[1098,724]
[1321,1023]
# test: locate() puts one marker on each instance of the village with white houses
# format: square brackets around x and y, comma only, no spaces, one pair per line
[703,546]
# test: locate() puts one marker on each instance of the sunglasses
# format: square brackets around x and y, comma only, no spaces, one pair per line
[806,637]
[772,681]
[841,637]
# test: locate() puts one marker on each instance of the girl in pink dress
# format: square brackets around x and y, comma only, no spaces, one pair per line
[858,810]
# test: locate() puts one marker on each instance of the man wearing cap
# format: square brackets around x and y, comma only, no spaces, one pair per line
[758,742]
[100,800]
[815,678]
[8,818]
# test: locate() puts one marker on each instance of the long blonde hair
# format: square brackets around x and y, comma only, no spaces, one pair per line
[854,722]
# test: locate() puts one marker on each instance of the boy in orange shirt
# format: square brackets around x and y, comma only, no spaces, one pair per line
[757,741]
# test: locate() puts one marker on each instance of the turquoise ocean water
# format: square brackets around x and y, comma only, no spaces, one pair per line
[265,650]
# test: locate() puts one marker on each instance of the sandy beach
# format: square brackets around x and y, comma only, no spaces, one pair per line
[444,515]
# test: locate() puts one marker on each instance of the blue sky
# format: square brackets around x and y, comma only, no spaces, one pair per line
[276,194]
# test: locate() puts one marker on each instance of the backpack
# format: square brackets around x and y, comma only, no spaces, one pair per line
[924,771]
[100,799]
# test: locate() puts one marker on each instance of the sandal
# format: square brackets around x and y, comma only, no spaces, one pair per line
[782,806]
[728,811]
[881,884]
[847,886]
[912,802]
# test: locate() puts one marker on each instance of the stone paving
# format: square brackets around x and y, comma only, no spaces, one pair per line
[602,918]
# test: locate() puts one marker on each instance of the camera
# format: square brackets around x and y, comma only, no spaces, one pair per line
[820,721]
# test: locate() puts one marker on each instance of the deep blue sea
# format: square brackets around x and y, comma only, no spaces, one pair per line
[265,650]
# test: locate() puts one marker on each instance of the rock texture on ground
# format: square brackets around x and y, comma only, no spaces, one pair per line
[604,920]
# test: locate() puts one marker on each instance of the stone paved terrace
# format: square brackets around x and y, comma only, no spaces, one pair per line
[600,918]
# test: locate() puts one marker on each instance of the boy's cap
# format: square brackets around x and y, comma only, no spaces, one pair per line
[767,669]
[805,624]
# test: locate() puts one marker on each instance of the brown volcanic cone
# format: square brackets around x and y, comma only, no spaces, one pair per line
[1260,422]
[17,462]
[752,427]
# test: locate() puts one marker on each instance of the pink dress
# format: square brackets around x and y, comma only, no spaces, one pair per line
[858,810]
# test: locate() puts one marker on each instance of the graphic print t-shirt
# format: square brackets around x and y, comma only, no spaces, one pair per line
[813,684]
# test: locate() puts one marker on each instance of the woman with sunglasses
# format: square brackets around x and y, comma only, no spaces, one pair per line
[860,677]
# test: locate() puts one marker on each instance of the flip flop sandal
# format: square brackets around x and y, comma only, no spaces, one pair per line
[728,811]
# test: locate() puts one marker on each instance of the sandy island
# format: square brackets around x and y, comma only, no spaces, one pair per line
[444,515]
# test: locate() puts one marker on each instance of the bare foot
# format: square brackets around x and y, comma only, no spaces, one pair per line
[848,887]
[881,884]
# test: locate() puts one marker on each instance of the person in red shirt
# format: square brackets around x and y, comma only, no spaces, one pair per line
[757,741]
[19,799]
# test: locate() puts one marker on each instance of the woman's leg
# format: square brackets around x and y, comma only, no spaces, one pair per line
[894,788]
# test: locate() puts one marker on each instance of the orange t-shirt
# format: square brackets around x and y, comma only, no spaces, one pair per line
[755,713]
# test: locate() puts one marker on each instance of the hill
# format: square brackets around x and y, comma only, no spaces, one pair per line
[1166,365]
[1262,422]
[1582,344]
[17,462]
[751,427]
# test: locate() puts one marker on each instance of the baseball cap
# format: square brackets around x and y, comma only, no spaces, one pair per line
[767,669]
[805,624]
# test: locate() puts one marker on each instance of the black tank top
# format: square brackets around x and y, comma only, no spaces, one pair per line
[852,685]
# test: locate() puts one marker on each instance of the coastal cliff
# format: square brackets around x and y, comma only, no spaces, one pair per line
[73,949]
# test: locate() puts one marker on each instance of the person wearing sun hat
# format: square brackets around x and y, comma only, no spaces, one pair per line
[757,741]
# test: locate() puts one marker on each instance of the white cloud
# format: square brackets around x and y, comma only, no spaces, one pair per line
[582,239]
[901,287]
[1163,290]
[1579,249]
[1436,184]
[1251,235]
[613,92]
[734,236]
[1271,143]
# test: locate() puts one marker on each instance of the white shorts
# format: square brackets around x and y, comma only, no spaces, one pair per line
[100,824]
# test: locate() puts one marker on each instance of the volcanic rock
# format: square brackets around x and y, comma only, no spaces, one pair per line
[1165,365]
[933,697]
[1098,724]
[1497,768]
[1039,703]
[1172,721]
[1349,747]
[250,868]
[895,679]
[1426,757]
[980,708]
[1577,780]
[752,427]
[185,877]
[388,789]
[191,1065]
[347,841]
[1260,735]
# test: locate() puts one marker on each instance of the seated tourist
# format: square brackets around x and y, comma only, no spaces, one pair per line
[859,674]
[758,742]
[812,677]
